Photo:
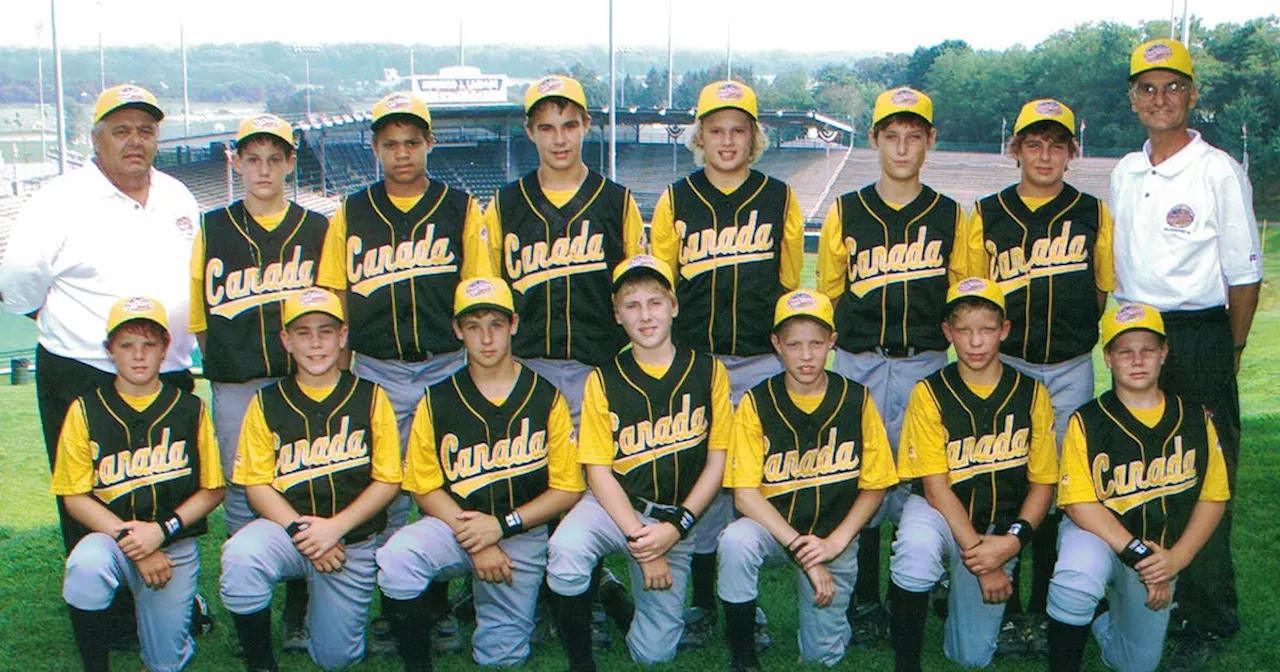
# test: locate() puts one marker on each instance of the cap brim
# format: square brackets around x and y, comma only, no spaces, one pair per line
[778,327]
[1122,332]
[299,316]
[727,106]
[264,134]
[155,112]
[477,307]
[900,112]
[1175,71]
[529,108]
[958,299]
[121,323]
[641,271]
[1024,127]
[400,116]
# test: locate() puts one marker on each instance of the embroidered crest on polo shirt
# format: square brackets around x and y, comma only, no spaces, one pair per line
[1180,216]
[184,226]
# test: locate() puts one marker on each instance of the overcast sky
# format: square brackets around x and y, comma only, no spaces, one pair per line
[798,25]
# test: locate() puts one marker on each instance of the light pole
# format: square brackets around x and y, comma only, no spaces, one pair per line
[186,98]
[1004,125]
[306,50]
[102,59]
[623,51]
[57,86]
[613,99]
[44,150]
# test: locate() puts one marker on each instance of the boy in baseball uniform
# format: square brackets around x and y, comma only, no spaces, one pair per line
[490,462]
[978,439]
[656,422]
[320,461]
[809,465]
[137,464]
[1144,485]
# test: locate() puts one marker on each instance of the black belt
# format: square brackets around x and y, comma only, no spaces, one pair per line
[646,508]
[1191,318]
[897,351]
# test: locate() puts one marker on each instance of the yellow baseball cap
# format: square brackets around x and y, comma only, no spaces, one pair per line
[265,124]
[482,294]
[904,99]
[1045,109]
[977,288]
[727,94]
[312,300]
[643,264]
[401,104]
[1161,54]
[554,86]
[132,308]
[1127,317]
[804,303]
[126,95]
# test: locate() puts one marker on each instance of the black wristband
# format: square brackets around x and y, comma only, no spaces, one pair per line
[1021,529]
[294,528]
[1134,552]
[684,520]
[171,526]
[512,524]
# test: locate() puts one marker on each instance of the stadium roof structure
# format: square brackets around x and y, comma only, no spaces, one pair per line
[501,114]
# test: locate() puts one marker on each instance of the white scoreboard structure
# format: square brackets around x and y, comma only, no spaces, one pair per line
[457,85]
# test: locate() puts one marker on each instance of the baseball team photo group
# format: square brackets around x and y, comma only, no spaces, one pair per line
[559,424]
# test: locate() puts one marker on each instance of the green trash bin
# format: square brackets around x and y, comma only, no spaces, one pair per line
[19,373]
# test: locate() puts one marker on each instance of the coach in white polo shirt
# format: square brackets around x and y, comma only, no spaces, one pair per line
[1186,242]
[114,227]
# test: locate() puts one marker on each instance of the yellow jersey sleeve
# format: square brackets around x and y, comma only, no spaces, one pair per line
[211,476]
[198,323]
[923,450]
[633,237]
[1104,268]
[981,267]
[595,424]
[745,467]
[333,255]
[256,455]
[491,221]
[878,471]
[968,257]
[721,433]
[1214,488]
[792,261]
[1075,482]
[663,242]
[1042,460]
[387,464]
[422,472]
[833,256]
[73,464]
[476,261]
[563,470]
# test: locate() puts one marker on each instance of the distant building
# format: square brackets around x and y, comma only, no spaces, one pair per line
[455,85]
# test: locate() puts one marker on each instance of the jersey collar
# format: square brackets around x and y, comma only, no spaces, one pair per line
[1178,162]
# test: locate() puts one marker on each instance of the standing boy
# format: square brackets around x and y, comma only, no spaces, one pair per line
[979,437]
[656,422]
[319,460]
[137,465]
[809,466]
[490,463]
[735,239]
[886,256]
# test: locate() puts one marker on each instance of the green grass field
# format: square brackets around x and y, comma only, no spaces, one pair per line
[35,633]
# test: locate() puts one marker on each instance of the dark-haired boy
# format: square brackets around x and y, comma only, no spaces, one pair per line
[886,256]
[1144,486]
[1048,245]
[137,464]
[809,465]
[978,437]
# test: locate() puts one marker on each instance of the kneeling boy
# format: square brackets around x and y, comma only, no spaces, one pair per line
[809,465]
[137,464]
[979,437]
[490,462]
[319,459]
[656,421]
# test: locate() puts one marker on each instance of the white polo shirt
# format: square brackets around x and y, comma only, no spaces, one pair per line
[79,244]
[1185,229]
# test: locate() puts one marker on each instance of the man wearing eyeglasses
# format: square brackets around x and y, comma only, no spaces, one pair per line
[1186,242]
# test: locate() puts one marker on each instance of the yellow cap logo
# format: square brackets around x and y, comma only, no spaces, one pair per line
[1157,53]
[138,305]
[1049,108]
[131,94]
[972,285]
[729,92]
[313,297]
[397,102]
[266,122]
[549,85]
[801,301]
[1130,313]
[479,288]
[905,98]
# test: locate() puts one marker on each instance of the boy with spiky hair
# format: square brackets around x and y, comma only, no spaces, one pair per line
[143,520]
[656,422]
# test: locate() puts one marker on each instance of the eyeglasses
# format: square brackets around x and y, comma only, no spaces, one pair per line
[1171,90]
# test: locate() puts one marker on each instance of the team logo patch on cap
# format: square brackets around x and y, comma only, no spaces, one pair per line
[803,301]
[972,285]
[1129,314]
[184,226]
[479,288]
[131,94]
[398,102]
[313,297]
[266,122]
[645,262]
[138,305]
[731,92]
[1049,108]
[550,84]
[905,98]
[1157,53]
[1180,216]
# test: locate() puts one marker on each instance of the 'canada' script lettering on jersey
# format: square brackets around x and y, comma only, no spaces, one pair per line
[708,249]
[245,288]
[384,265]
[1135,483]
[1060,254]
[971,456]
[831,462]
[878,266]
[125,471]
[540,261]
[470,468]
[303,460]
[645,441]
